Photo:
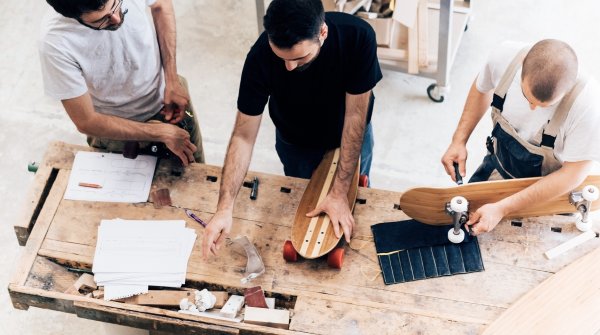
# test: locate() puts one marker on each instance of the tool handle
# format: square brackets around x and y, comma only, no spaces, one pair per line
[254,192]
[459,179]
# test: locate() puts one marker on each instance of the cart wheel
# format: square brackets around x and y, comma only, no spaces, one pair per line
[289,253]
[363,180]
[335,258]
[434,94]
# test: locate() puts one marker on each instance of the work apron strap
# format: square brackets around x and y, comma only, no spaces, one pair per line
[507,79]
[560,115]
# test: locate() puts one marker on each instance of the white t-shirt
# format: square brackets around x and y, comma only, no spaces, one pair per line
[578,138]
[120,69]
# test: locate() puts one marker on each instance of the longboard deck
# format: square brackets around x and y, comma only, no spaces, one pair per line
[314,237]
[428,205]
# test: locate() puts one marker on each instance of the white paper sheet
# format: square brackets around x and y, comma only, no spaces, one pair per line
[133,254]
[122,179]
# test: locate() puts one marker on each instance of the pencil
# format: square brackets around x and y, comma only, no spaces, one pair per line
[90,185]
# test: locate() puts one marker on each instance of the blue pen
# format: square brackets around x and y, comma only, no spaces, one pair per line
[195,217]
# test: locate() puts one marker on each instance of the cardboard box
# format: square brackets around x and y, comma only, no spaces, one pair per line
[389,33]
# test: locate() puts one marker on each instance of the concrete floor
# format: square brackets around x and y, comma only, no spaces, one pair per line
[411,132]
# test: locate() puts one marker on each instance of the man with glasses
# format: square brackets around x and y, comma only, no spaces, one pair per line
[113,73]
[317,71]
[545,123]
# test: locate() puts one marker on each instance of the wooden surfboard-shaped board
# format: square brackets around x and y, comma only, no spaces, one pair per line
[314,237]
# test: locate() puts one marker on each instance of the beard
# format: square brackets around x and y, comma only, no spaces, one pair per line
[305,66]
[114,27]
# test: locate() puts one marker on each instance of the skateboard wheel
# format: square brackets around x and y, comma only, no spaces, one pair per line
[459,204]
[456,238]
[582,225]
[363,180]
[590,193]
[289,253]
[335,258]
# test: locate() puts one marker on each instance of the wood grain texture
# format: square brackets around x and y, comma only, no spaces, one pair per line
[314,237]
[428,205]
[566,303]
[351,300]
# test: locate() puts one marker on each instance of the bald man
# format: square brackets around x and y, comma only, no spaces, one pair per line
[545,123]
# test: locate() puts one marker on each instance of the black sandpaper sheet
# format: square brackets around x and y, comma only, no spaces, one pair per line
[409,250]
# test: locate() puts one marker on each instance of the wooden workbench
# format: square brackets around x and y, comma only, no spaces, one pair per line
[62,233]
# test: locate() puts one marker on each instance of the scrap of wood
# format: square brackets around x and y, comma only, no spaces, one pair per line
[566,303]
[277,318]
[84,283]
[98,294]
[161,198]
[171,298]
[570,244]
[232,306]
[255,297]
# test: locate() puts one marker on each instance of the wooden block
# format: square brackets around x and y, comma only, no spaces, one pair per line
[232,306]
[222,297]
[84,284]
[277,318]
[171,298]
[570,244]
[255,297]
[160,298]
[98,294]
[161,197]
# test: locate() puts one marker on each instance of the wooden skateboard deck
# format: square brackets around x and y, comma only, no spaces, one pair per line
[314,237]
[428,205]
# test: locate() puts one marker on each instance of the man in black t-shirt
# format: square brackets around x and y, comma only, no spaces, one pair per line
[316,71]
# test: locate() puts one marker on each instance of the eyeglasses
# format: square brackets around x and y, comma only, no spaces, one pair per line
[103,22]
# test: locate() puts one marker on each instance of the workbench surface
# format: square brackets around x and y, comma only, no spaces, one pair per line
[354,300]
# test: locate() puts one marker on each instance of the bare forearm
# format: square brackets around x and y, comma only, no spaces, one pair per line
[237,159]
[352,138]
[235,168]
[96,124]
[164,22]
[475,107]
[555,184]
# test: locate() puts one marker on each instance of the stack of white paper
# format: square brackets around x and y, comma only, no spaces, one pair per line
[133,254]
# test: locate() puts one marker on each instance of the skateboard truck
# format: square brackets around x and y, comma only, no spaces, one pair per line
[582,201]
[458,209]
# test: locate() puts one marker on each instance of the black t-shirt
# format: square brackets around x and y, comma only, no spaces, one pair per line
[308,107]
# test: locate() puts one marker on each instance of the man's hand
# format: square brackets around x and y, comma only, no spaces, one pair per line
[485,218]
[455,153]
[337,208]
[178,141]
[217,230]
[177,99]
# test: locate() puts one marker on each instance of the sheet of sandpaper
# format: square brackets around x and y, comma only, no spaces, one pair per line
[409,250]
